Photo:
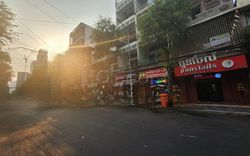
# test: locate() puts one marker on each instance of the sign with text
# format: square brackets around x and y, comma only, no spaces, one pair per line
[153,73]
[209,64]
[125,76]
[220,39]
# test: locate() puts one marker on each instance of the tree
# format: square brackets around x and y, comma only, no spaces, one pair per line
[56,72]
[5,73]
[165,24]
[104,35]
[6,34]
[6,26]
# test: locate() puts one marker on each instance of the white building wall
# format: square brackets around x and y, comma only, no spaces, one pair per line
[241,3]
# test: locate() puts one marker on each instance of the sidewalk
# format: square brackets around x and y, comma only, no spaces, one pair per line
[216,109]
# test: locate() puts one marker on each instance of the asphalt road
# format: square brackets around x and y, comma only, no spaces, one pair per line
[26,129]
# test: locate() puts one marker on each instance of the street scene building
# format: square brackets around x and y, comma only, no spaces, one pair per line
[129,57]
[80,53]
[213,64]
[135,78]
[211,67]
[21,78]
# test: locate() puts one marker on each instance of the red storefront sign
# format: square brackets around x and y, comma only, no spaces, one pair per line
[217,65]
[120,77]
[153,73]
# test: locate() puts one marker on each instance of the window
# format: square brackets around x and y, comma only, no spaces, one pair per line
[134,63]
[248,18]
[209,4]
[151,58]
[196,10]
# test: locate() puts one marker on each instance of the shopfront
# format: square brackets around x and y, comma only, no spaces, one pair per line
[213,79]
[152,83]
[122,84]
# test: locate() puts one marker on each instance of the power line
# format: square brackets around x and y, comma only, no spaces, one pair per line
[22,44]
[43,41]
[16,59]
[54,19]
[24,31]
[34,34]
[72,60]
[59,10]
[43,21]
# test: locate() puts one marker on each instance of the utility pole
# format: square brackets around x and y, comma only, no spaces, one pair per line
[25,66]
[130,74]
[130,69]
[26,58]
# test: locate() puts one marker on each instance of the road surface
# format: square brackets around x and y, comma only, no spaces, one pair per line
[29,129]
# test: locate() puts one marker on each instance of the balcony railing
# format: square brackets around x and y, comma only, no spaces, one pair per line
[141,7]
[109,57]
[96,60]
[212,12]
[129,47]
[122,4]
[127,22]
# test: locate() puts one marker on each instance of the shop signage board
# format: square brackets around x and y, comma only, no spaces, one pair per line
[153,73]
[121,77]
[209,64]
[220,39]
[208,76]
[124,79]
[158,82]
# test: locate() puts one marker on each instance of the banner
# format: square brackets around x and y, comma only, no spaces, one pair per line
[204,65]
[153,73]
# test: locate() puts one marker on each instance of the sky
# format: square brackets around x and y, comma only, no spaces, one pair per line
[41,25]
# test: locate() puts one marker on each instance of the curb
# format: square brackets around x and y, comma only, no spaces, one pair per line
[214,112]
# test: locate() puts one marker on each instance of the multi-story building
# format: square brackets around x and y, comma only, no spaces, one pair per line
[42,56]
[129,55]
[103,65]
[32,66]
[21,78]
[79,55]
[41,62]
[216,42]
[127,13]
[213,63]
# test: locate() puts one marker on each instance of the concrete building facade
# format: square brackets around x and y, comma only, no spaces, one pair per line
[217,33]
[21,78]
[79,54]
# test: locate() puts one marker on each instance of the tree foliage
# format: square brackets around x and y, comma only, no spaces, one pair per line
[104,34]
[5,73]
[6,26]
[37,85]
[165,24]
[6,34]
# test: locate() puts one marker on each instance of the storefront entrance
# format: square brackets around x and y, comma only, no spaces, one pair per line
[210,91]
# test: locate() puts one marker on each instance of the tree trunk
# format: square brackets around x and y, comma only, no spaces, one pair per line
[170,73]
[170,77]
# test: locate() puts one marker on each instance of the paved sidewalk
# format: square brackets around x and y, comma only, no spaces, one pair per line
[242,110]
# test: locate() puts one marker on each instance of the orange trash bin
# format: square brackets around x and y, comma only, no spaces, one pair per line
[164,100]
